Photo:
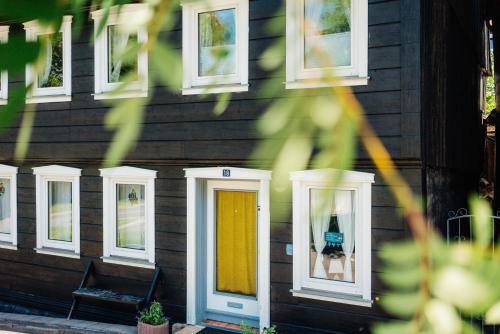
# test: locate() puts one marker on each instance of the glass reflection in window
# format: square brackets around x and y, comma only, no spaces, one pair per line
[131,216]
[60,211]
[5,206]
[52,74]
[217,43]
[327,33]
[120,42]
[332,235]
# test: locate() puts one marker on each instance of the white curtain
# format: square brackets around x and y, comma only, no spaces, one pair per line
[345,217]
[60,211]
[119,44]
[131,223]
[44,77]
[321,213]
[5,206]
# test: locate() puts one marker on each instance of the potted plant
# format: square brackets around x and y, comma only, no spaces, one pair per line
[152,320]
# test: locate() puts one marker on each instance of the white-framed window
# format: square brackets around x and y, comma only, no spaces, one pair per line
[8,207]
[52,82]
[124,32]
[215,46]
[4,81]
[326,39]
[129,216]
[332,236]
[58,210]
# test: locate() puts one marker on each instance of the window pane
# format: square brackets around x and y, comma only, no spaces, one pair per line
[60,211]
[5,206]
[327,33]
[332,237]
[217,43]
[131,216]
[52,74]
[119,43]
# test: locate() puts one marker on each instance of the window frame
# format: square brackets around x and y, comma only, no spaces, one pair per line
[50,94]
[44,245]
[192,82]
[298,77]
[9,241]
[4,80]
[358,292]
[119,15]
[118,255]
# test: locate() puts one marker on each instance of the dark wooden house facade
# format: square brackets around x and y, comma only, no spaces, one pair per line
[421,95]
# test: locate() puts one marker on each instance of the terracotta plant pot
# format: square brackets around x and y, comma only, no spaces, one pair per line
[143,328]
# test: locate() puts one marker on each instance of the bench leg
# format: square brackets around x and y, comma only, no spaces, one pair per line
[76,301]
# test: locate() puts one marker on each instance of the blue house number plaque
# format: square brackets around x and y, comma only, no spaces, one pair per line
[333,238]
[226,173]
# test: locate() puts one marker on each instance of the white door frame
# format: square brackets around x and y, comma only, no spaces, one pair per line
[196,305]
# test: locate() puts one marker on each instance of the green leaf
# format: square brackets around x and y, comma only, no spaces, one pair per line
[222,103]
[493,315]
[24,136]
[126,119]
[407,278]
[403,305]
[462,288]
[15,105]
[167,65]
[481,220]
[443,318]
[46,11]
[400,254]
[17,52]
[394,328]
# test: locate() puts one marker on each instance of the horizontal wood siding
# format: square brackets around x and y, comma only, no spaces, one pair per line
[183,132]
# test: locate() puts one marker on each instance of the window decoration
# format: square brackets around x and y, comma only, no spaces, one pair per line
[129,216]
[327,38]
[58,210]
[332,236]
[8,207]
[123,33]
[52,81]
[215,46]
[4,82]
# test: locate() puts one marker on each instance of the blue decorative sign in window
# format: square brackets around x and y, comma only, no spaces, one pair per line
[334,239]
[226,173]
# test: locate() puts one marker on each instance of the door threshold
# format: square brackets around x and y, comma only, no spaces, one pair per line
[224,326]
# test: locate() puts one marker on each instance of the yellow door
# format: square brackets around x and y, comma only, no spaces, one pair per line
[236,239]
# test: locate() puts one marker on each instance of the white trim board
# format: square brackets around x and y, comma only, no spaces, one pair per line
[196,239]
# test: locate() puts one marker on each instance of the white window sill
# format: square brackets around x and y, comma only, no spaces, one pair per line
[7,245]
[340,81]
[48,99]
[3,102]
[236,88]
[122,95]
[332,297]
[128,262]
[57,252]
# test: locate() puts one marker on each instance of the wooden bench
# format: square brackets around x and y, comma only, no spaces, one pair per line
[92,293]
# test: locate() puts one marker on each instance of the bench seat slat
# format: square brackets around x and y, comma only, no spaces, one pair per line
[107,295]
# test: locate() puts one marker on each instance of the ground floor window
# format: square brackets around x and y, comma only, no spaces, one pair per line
[129,216]
[58,210]
[332,236]
[8,207]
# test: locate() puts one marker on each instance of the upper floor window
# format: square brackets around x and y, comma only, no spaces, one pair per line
[332,237]
[215,46]
[4,82]
[327,43]
[129,216]
[58,210]
[8,207]
[121,35]
[52,81]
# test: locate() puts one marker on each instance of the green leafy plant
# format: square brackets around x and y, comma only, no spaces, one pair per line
[246,329]
[270,330]
[153,316]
